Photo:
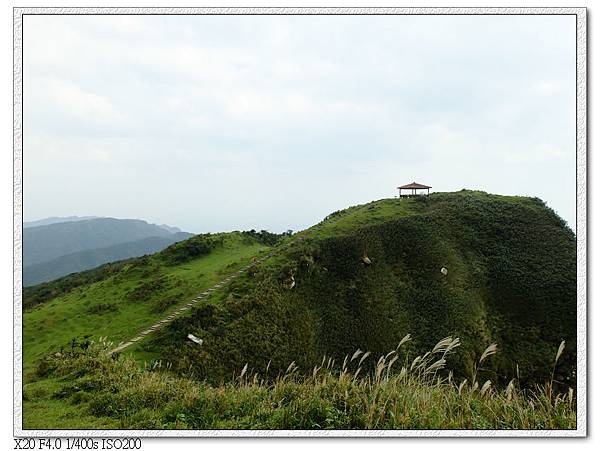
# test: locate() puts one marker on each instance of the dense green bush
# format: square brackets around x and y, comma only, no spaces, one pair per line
[266,237]
[187,250]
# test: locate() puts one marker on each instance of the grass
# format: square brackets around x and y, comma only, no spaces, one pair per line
[344,222]
[511,280]
[44,407]
[124,304]
[398,392]
[362,278]
[348,220]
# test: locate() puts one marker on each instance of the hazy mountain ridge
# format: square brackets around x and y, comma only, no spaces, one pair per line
[54,247]
[91,258]
[45,243]
[56,220]
[169,228]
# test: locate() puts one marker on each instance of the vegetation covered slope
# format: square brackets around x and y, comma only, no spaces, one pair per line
[362,279]
[88,389]
[120,299]
[370,274]
[91,258]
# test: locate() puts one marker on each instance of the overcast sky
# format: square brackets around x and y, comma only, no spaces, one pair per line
[217,123]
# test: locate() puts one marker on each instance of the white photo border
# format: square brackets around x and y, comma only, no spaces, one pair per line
[581,222]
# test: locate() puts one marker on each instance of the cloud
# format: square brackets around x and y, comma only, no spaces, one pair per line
[539,154]
[547,88]
[75,103]
[234,116]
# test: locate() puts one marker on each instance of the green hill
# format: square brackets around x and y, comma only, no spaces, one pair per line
[361,279]
[119,299]
[511,265]
[510,280]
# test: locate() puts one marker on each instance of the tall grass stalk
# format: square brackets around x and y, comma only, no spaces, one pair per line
[417,396]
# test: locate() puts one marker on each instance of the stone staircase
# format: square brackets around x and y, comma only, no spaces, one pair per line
[186,307]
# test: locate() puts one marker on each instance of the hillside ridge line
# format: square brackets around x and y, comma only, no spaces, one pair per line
[177,312]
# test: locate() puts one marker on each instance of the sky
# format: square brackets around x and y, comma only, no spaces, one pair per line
[218,123]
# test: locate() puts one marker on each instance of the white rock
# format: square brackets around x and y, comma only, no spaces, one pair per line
[195,339]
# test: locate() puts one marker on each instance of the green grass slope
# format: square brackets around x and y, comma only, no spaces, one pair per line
[511,265]
[119,300]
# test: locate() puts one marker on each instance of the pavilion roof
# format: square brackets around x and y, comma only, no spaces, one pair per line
[414,185]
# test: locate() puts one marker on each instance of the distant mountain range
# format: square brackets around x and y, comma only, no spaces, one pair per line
[59,219]
[56,220]
[55,247]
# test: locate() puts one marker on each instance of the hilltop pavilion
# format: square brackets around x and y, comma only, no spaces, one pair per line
[416,189]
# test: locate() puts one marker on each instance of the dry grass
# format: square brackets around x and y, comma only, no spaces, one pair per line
[420,394]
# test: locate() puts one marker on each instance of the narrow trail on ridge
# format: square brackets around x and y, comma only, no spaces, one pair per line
[186,307]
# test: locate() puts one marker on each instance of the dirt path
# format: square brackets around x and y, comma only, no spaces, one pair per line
[184,308]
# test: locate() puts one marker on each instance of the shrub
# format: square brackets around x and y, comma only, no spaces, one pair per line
[190,249]
[162,304]
[266,237]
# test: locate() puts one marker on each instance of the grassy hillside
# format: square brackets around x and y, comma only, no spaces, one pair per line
[88,389]
[511,280]
[121,299]
[361,279]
